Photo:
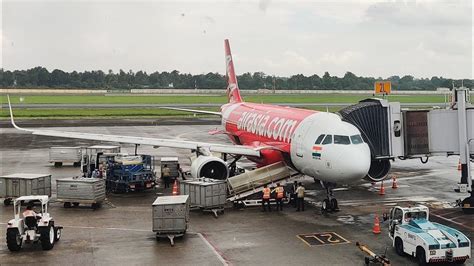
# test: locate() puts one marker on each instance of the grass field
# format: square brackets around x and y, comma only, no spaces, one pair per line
[189,99]
[109,113]
[176,99]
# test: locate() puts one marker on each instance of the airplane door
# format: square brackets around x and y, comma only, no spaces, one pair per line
[300,138]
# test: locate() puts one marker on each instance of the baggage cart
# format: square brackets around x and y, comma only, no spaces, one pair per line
[75,191]
[21,184]
[170,216]
[209,195]
[60,155]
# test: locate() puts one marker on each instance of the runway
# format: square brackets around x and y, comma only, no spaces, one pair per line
[196,105]
[121,234]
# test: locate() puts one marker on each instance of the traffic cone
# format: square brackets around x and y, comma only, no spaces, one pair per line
[382,189]
[459,166]
[376,229]
[175,188]
[394,182]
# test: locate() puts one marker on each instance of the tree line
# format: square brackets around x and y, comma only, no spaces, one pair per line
[40,77]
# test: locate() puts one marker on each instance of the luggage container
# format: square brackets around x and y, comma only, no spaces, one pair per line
[206,194]
[61,155]
[170,216]
[21,184]
[75,191]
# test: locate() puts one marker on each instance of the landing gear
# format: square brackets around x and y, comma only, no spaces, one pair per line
[329,204]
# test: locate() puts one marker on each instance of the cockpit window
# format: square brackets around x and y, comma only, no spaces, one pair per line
[320,138]
[344,140]
[357,139]
[327,140]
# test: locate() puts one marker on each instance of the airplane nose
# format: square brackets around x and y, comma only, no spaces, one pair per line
[355,164]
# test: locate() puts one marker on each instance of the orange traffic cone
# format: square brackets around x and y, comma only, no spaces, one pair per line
[394,182]
[175,188]
[382,189]
[459,166]
[376,229]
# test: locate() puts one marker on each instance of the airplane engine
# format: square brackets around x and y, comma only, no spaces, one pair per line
[378,170]
[209,167]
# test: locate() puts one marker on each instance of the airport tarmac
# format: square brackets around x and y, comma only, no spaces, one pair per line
[120,232]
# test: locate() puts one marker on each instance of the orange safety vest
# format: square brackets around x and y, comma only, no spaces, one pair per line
[280,191]
[266,193]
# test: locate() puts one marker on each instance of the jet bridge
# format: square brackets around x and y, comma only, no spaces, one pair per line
[406,134]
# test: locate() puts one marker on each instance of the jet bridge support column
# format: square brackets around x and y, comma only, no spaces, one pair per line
[465,185]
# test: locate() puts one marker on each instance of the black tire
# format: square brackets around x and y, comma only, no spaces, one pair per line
[7,202]
[67,205]
[58,164]
[325,205]
[76,164]
[460,262]
[57,234]
[14,240]
[421,256]
[47,237]
[75,204]
[399,247]
[334,206]
[95,206]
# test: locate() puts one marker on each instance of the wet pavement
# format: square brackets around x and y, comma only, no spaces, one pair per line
[120,232]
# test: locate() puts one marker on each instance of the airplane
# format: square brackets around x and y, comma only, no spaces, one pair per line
[316,144]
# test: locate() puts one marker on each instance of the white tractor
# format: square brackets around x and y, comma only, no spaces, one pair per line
[412,233]
[35,228]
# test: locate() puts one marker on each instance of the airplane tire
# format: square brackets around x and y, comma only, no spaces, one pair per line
[14,240]
[334,206]
[47,237]
[325,205]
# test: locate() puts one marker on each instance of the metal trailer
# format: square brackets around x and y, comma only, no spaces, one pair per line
[205,194]
[124,173]
[60,155]
[173,165]
[170,216]
[74,191]
[21,184]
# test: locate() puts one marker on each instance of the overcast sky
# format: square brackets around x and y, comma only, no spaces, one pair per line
[368,38]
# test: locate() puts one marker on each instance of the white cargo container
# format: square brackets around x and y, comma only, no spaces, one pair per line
[61,155]
[21,184]
[170,216]
[74,191]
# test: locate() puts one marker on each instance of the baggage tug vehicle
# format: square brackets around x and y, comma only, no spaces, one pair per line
[413,234]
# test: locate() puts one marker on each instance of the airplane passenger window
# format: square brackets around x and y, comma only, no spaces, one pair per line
[357,139]
[344,140]
[320,138]
[327,140]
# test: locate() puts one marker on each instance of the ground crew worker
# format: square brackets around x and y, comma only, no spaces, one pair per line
[266,198]
[300,197]
[165,173]
[280,193]
[293,193]
[29,211]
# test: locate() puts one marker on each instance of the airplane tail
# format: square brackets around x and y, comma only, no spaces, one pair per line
[233,93]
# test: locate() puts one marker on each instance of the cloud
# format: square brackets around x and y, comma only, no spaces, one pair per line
[368,38]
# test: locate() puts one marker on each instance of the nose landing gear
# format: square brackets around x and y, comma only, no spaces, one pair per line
[329,204]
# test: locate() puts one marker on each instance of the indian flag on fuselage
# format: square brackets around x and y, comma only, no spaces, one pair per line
[317,150]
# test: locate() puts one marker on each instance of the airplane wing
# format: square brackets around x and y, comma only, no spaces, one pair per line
[192,110]
[191,145]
